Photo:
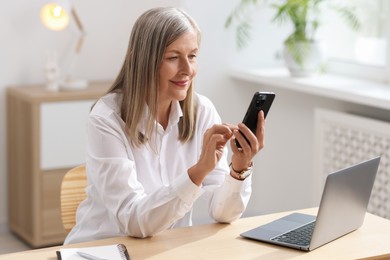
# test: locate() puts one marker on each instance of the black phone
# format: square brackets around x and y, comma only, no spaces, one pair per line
[260,101]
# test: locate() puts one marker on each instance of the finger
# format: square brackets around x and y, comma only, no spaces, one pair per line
[221,142]
[216,141]
[260,129]
[216,145]
[211,153]
[214,130]
[260,122]
[245,146]
[249,135]
[245,130]
[231,126]
[233,145]
[222,129]
[206,137]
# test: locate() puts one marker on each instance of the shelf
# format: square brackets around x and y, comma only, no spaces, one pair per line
[357,91]
[45,138]
[39,93]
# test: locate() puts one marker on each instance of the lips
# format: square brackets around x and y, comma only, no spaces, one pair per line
[180,83]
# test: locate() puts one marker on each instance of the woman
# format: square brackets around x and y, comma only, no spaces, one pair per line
[154,146]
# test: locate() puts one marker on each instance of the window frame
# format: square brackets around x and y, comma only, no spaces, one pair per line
[363,71]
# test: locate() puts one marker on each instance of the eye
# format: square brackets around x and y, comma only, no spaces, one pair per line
[172,58]
[192,56]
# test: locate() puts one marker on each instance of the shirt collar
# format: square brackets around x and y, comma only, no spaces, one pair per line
[174,116]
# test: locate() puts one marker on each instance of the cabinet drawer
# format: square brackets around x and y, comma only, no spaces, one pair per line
[63,133]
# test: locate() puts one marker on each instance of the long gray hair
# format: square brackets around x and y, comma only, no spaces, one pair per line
[138,79]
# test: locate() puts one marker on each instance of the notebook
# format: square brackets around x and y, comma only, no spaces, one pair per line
[112,252]
[342,210]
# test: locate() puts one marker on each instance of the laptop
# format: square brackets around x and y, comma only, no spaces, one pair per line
[342,210]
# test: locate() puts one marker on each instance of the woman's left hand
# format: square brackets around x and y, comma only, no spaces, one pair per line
[242,157]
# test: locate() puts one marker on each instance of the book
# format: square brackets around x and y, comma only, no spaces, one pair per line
[112,252]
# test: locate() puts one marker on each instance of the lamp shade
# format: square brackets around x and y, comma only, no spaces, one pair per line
[55,16]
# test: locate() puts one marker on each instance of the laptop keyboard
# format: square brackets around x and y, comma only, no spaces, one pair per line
[300,236]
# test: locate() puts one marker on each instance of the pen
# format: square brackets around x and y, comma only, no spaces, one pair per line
[89,256]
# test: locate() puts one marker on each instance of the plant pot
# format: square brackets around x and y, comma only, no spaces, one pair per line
[312,57]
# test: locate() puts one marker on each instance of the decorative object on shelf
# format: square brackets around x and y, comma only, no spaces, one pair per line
[56,16]
[303,58]
[302,51]
[52,71]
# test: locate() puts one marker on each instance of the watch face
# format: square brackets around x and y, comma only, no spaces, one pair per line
[245,174]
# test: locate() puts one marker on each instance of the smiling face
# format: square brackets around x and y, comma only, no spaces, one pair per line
[178,68]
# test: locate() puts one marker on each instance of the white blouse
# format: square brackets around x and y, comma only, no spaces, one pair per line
[141,191]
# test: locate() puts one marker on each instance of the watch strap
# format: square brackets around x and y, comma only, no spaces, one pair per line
[243,174]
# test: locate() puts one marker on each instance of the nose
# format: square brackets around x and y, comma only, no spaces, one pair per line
[186,67]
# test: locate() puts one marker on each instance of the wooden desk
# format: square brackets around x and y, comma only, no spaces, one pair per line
[222,241]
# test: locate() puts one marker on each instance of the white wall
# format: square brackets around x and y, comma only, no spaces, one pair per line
[287,158]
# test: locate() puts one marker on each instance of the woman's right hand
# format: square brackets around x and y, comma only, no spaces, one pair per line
[214,141]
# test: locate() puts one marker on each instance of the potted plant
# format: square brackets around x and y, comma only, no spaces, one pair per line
[301,49]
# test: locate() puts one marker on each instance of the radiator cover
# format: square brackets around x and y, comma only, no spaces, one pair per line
[343,139]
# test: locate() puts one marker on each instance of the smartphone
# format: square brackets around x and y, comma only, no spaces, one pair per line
[260,101]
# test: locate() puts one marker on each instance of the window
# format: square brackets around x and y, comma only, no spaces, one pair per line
[363,53]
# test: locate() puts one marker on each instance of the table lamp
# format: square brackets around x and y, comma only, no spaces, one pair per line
[56,16]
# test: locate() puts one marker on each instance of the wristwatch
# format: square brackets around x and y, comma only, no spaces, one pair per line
[242,175]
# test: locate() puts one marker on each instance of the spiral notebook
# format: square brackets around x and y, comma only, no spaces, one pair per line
[112,252]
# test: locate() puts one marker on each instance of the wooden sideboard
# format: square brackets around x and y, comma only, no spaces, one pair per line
[45,138]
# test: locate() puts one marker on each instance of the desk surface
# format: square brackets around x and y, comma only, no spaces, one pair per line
[222,241]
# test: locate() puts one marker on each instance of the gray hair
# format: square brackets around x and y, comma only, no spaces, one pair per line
[138,81]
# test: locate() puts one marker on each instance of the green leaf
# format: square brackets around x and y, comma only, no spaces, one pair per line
[302,14]
[243,34]
[349,17]
[229,21]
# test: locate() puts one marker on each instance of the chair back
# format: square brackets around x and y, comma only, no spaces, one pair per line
[72,193]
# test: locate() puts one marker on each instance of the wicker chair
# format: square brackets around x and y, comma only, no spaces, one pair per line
[72,193]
